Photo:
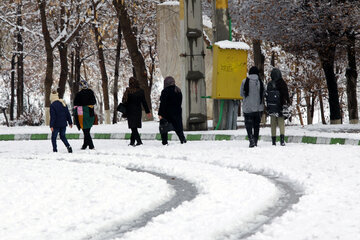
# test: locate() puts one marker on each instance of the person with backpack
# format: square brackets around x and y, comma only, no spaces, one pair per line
[277,96]
[59,118]
[252,91]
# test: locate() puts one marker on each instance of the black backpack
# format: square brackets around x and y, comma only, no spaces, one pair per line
[273,101]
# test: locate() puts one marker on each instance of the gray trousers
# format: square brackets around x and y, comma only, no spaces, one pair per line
[277,122]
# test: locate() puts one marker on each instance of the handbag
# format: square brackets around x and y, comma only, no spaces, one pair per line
[165,126]
[122,108]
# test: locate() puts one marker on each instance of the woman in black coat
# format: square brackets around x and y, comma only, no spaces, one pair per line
[133,98]
[170,109]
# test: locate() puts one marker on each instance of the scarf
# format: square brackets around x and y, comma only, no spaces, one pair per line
[55,97]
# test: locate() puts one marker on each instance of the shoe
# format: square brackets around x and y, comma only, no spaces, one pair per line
[83,147]
[282,140]
[251,143]
[273,139]
[183,141]
[138,144]
[69,149]
[54,150]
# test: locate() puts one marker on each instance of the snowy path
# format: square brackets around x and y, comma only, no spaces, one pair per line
[52,196]
[184,191]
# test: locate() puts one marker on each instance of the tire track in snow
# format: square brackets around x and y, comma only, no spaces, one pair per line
[184,191]
[291,195]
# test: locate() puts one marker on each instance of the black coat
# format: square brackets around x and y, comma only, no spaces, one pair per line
[84,98]
[133,108]
[59,115]
[170,106]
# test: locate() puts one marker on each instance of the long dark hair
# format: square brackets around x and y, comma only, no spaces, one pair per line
[254,70]
[134,86]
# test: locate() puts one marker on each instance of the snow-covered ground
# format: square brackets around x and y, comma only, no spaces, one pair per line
[80,195]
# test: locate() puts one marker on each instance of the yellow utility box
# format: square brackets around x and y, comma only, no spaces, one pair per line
[229,69]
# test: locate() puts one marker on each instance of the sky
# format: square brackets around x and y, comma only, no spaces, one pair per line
[90,194]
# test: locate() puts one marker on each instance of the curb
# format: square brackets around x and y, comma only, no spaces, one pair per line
[189,137]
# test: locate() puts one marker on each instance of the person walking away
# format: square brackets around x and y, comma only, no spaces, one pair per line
[133,98]
[84,114]
[170,109]
[277,97]
[59,118]
[252,91]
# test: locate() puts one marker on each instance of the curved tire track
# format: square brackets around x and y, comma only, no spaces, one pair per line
[291,196]
[184,191]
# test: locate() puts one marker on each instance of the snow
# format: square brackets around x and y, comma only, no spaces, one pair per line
[207,21]
[75,196]
[226,44]
[170,3]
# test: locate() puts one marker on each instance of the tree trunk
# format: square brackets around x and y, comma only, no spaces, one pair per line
[49,59]
[116,72]
[259,58]
[312,107]
[77,68]
[12,98]
[308,107]
[351,81]
[63,52]
[20,64]
[104,77]
[137,58]
[298,101]
[327,58]
[322,108]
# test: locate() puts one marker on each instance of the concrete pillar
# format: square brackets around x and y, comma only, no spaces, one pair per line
[193,65]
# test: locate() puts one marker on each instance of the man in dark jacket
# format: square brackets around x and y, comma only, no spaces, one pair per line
[170,109]
[59,117]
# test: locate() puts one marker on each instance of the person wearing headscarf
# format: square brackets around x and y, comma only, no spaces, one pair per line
[170,109]
[59,119]
[134,98]
[252,91]
[84,114]
[277,82]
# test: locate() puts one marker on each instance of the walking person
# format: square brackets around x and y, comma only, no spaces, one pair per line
[277,97]
[133,98]
[170,109]
[252,91]
[84,113]
[59,119]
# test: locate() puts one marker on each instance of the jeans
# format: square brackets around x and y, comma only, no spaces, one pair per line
[252,124]
[54,135]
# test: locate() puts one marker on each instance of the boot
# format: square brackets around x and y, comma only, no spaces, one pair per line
[282,140]
[132,140]
[273,139]
[69,149]
[251,142]
[256,136]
